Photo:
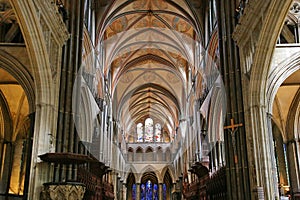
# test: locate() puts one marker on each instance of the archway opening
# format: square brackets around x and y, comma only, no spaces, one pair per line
[15,136]
[284,122]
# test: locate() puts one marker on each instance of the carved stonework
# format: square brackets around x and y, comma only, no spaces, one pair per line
[295,9]
[54,57]
[249,21]
[63,191]
[54,31]
[53,20]
[294,14]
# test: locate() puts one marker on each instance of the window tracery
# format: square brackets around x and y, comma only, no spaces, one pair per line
[148,132]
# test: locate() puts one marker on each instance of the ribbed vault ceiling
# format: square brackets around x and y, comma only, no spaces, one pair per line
[149,50]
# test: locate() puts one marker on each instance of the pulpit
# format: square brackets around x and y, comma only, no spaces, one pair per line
[63,191]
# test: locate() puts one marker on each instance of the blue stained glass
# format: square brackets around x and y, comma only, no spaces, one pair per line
[155,192]
[133,192]
[143,192]
[164,192]
[149,190]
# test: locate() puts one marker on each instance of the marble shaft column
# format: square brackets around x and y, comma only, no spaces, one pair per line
[124,192]
[237,170]
[272,156]
[138,191]
[160,191]
[67,138]
[29,146]
[293,160]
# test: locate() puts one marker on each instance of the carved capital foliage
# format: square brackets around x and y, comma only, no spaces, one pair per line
[64,191]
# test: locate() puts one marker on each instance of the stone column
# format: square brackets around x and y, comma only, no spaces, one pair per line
[124,191]
[272,155]
[293,160]
[199,139]
[263,153]
[160,191]
[138,191]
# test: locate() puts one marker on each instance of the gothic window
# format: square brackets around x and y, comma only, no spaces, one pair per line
[149,190]
[149,130]
[158,137]
[155,192]
[140,132]
[143,192]
[164,192]
[133,192]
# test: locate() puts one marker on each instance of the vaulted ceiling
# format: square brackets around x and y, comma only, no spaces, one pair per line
[150,48]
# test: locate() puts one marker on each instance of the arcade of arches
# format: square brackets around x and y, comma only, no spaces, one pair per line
[149,99]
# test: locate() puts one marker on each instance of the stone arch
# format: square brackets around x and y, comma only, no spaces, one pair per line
[6,119]
[130,169]
[45,97]
[130,181]
[148,169]
[130,154]
[278,75]
[292,127]
[171,171]
[258,58]
[168,154]
[139,154]
[149,154]
[139,149]
[149,149]
[168,183]
[37,50]
[159,154]
[10,64]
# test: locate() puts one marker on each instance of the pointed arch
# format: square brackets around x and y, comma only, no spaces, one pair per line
[14,67]
[169,169]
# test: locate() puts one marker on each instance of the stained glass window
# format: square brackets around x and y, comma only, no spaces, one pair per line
[149,130]
[155,192]
[134,192]
[149,190]
[140,132]
[164,192]
[158,133]
[143,192]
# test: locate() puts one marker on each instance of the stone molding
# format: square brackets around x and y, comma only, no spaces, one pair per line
[252,14]
[48,10]
[63,191]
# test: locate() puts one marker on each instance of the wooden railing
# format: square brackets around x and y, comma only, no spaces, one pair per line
[95,188]
[216,186]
